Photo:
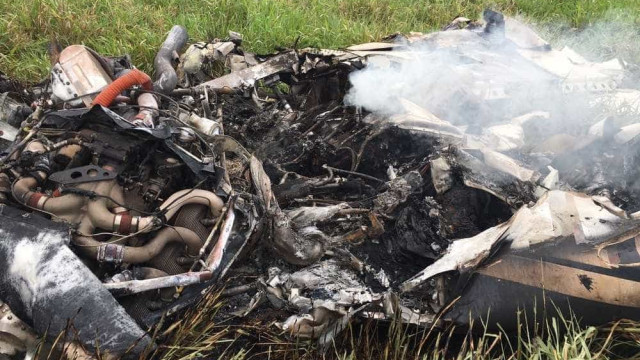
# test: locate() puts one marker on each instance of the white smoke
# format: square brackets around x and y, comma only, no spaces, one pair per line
[446,81]
[509,94]
[471,79]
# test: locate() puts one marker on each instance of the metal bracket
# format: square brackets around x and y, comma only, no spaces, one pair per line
[82,174]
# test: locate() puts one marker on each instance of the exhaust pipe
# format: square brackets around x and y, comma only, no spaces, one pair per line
[166,78]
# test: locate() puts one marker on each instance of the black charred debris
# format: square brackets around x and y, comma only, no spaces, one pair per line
[126,198]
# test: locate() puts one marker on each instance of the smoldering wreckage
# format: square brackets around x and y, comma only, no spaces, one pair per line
[430,179]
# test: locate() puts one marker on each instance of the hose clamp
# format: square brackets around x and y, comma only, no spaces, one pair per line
[112,253]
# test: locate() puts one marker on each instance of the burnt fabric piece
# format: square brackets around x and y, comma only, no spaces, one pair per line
[45,284]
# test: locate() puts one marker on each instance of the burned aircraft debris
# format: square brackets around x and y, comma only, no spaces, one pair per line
[466,171]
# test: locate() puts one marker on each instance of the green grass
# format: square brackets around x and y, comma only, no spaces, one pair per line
[138,27]
[198,335]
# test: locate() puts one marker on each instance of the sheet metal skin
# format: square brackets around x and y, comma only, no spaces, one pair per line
[567,279]
[47,286]
[235,80]
[79,73]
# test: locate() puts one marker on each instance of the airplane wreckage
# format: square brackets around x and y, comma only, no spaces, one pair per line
[508,175]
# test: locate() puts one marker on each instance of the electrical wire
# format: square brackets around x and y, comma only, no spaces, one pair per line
[113,241]
[197,196]
[164,211]
[177,232]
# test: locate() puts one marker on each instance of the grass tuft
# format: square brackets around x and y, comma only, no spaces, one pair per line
[559,337]
[138,27]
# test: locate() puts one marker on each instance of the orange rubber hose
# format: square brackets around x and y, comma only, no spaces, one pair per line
[133,77]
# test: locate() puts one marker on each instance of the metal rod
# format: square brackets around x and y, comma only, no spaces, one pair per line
[215,257]
[137,286]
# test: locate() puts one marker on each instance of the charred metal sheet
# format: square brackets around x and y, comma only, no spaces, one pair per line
[569,278]
[284,62]
[558,215]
